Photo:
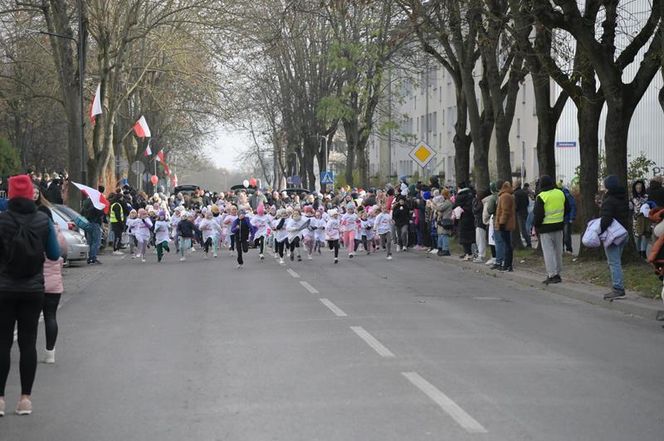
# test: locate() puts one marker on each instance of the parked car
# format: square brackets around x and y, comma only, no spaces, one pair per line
[77,246]
[72,214]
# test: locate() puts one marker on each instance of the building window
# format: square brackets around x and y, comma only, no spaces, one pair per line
[434,129]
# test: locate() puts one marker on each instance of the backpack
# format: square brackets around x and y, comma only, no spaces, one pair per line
[24,251]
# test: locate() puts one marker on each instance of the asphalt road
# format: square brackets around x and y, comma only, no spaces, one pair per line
[412,349]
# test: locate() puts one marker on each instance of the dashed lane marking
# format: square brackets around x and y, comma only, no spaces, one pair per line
[334,308]
[293,273]
[459,415]
[372,342]
[308,287]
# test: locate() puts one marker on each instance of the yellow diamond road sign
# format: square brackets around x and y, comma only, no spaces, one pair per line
[422,154]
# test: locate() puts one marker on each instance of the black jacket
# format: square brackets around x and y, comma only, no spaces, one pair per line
[466,230]
[401,214]
[614,206]
[25,212]
[521,201]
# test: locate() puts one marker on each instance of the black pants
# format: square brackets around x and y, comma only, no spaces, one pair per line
[242,247]
[295,243]
[334,245]
[507,247]
[280,246]
[20,308]
[232,242]
[50,309]
[117,228]
[468,249]
[260,243]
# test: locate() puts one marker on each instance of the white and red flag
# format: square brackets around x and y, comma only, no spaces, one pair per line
[148,151]
[141,128]
[95,108]
[161,156]
[98,199]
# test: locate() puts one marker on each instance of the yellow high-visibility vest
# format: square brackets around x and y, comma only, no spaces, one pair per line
[554,206]
[114,219]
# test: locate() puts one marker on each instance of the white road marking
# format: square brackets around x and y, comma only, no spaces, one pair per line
[334,308]
[293,273]
[372,341]
[308,287]
[459,415]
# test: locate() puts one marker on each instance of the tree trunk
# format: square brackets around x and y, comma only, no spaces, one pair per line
[350,130]
[503,162]
[462,140]
[588,120]
[546,125]
[618,118]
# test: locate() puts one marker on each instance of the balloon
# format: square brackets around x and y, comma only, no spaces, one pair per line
[245,183]
[252,182]
[154,179]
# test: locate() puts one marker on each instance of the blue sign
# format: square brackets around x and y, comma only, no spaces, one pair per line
[566,144]
[327,177]
[294,180]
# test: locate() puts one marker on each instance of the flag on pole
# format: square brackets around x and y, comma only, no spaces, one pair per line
[160,157]
[141,128]
[95,108]
[98,200]
[167,171]
[148,151]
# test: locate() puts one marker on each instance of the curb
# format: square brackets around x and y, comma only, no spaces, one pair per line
[632,304]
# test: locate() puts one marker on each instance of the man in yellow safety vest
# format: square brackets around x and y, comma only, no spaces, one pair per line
[551,206]
[117,215]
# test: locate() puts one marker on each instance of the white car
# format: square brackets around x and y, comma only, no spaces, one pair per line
[77,247]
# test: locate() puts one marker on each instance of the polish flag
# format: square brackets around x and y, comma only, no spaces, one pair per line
[98,200]
[141,128]
[167,171]
[160,157]
[96,109]
[148,151]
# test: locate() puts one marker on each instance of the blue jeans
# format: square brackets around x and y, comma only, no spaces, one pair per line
[500,247]
[94,240]
[614,256]
[443,242]
[506,248]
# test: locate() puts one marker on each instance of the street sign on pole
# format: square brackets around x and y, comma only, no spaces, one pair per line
[422,154]
[326,177]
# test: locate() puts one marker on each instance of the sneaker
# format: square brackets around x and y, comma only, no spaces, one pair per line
[350,256]
[556,279]
[182,259]
[261,257]
[24,407]
[292,257]
[49,356]
[136,256]
[2,407]
[215,255]
[281,260]
[446,253]
[239,266]
[505,269]
[118,253]
[389,257]
[299,258]
[490,262]
[495,266]
[478,260]
[336,260]
[439,253]
[309,257]
[143,259]
[398,249]
[615,294]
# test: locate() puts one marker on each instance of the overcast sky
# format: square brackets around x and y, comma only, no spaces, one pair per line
[227,148]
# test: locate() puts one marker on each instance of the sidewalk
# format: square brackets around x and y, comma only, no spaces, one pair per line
[632,304]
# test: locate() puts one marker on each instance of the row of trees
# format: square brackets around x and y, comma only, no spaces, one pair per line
[297,74]
[152,58]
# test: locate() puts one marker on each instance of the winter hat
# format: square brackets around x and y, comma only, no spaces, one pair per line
[426,195]
[161,213]
[493,187]
[546,181]
[612,183]
[333,212]
[21,187]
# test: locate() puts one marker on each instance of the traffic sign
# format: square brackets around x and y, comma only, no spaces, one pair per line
[326,177]
[422,154]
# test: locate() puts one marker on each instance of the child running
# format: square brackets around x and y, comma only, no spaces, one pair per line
[142,228]
[349,228]
[242,230]
[294,226]
[260,222]
[332,233]
[383,228]
[280,233]
[186,232]
[211,233]
[161,233]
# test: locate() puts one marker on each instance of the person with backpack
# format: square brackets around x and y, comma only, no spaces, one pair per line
[26,235]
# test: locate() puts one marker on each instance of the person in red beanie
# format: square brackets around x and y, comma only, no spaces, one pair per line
[26,235]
